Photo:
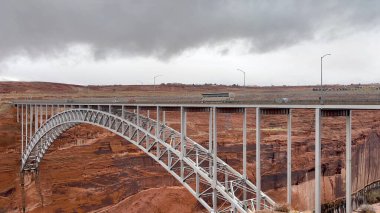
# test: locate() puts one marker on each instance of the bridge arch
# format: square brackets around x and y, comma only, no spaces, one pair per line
[192,168]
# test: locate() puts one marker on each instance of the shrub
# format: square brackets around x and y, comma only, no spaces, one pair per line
[282,208]
[365,208]
[373,196]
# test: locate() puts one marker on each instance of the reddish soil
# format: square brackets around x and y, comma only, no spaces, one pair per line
[89,169]
[152,200]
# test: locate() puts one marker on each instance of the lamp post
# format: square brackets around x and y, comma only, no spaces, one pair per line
[243,74]
[154,80]
[321,98]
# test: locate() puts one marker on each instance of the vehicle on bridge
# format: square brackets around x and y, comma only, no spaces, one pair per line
[281,100]
[218,97]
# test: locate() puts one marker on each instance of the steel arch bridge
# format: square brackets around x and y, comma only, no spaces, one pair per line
[216,185]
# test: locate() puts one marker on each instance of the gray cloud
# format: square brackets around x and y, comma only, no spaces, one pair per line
[168,27]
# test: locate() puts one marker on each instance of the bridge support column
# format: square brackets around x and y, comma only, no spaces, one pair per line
[164,123]
[138,123]
[348,162]
[31,120]
[123,116]
[41,113]
[318,160]
[110,118]
[210,139]
[35,118]
[183,139]
[289,159]
[23,197]
[245,155]
[130,128]
[38,185]
[215,163]
[258,158]
[22,130]
[197,174]
[226,185]
[26,125]
[158,130]
[18,114]
[46,113]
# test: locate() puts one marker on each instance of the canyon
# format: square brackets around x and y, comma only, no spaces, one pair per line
[89,169]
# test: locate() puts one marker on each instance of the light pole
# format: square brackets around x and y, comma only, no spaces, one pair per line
[321,98]
[154,81]
[243,74]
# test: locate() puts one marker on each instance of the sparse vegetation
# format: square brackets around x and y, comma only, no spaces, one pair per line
[4,107]
[365,208]
[373,196]
[282,208]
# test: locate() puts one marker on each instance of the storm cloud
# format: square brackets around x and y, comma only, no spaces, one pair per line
[165,28]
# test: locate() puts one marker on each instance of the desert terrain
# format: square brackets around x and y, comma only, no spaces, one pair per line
[91,170]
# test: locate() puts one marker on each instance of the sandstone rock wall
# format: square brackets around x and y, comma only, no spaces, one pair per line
[89,169]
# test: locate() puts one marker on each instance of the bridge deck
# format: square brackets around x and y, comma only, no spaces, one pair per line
[201,105]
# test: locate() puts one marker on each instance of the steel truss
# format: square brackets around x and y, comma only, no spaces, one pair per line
[216,185]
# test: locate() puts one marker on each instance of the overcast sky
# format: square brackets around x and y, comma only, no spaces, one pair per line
[198,41]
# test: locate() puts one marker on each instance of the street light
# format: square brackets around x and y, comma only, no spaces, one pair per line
[154,80]
[321,98]
[243,74]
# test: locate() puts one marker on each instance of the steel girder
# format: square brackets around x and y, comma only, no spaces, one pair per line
[193,168]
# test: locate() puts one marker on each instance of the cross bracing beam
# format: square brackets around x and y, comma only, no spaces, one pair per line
[196,171]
